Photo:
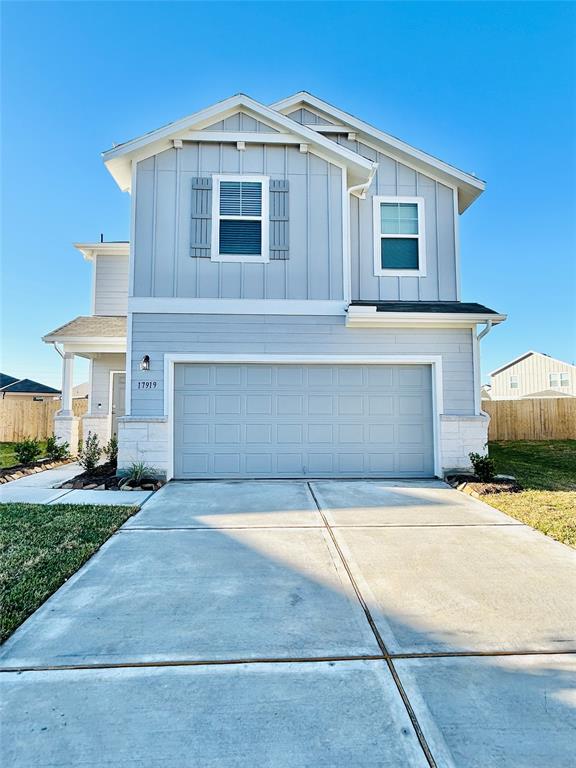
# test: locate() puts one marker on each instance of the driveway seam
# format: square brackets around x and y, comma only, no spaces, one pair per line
[395,676]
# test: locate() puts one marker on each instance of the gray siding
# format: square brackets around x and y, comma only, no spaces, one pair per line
[163,265]
[394,178]
[100,380]
[307,117]
[241,122]
[111,285]
[157,334]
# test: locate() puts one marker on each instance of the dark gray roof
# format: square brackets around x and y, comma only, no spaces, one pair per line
[27,386]
[452,307]
[5,380]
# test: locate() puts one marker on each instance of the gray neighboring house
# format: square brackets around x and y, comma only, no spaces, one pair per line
[289,304]
[533,375]
[25,389]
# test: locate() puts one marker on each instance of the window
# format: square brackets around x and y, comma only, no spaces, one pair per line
[559,379]
[513,382]
[240,218]
[399,236]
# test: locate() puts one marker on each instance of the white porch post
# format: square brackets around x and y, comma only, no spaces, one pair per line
[67,382]
[65,423]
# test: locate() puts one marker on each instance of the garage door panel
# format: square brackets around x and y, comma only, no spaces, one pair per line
[294,421]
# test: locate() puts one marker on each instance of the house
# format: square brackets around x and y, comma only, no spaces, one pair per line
[25,389]
[81,391]
[288,304]
[533,374]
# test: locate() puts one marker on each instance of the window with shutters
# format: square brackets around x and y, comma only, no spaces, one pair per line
[240,218]
[399,244]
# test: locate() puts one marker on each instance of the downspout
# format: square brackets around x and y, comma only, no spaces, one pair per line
[363,189]
[484,332]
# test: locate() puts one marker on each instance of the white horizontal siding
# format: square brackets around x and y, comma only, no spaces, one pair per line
[111,285]
[159,334]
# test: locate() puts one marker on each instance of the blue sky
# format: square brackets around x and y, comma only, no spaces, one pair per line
[488,87]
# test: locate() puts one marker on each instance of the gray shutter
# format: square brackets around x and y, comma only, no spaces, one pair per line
[278,220]
[201,238]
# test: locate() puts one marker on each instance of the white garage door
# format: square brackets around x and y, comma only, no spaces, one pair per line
[260,420]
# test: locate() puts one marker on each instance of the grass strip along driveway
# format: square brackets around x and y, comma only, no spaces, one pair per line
[546,470]
[43,546]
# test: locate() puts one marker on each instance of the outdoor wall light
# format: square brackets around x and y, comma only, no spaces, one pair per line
[145,363]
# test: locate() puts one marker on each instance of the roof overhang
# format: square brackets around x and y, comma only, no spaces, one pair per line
[369,317]
[119,159]
[90,250]
[469,187]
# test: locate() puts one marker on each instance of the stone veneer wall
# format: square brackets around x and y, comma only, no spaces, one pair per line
[461,435]
[66,429]
[143,439]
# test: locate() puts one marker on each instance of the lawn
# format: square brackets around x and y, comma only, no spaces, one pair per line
[546,470]
[43,546]
[8,457]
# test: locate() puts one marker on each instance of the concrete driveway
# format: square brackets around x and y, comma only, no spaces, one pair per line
[286,623]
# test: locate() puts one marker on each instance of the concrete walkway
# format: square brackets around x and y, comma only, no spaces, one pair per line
[329,623]
[42,488]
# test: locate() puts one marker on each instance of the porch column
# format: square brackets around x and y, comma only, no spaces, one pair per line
[67,381]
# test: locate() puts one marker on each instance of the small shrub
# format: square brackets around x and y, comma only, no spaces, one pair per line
[55,450]
[484,467]
[27,451]
[90,453]
[137,472]
[111,450]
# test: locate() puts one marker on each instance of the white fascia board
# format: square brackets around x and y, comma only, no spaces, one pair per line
[118,159]
[91,250]
[146,304]
[104,343]
[470,186]
[369,317]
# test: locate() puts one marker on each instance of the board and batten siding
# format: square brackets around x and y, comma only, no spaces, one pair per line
[159,334]
[110,285]
[395,178]
[164,266]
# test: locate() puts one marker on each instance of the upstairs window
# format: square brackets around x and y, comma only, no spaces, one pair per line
[399,236]
[513,382]
[240,218]
[559,379]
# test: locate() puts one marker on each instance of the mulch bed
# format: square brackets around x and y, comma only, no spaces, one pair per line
[104,478]
[22,470]
[473,486]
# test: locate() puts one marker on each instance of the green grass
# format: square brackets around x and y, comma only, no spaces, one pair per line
[546,470]
[43,546]
[8,457]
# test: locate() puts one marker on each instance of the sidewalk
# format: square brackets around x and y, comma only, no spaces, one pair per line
[42,488]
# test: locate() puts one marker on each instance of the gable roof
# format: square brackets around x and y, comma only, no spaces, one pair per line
[25,386]
[119,159]
[469,187]
[5,380]
[528,354]
[89,327]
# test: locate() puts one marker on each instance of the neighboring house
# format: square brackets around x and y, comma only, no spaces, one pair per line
[25,389]
[81,391]
[533,374]
[289,303]
[485,392]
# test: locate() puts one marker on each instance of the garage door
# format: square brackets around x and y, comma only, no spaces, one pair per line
[259,420]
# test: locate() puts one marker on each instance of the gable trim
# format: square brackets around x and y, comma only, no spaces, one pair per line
[471,184]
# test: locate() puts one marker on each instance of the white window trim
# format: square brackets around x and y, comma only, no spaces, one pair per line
[558,376]
[421,237]
[264,257]
[514,381]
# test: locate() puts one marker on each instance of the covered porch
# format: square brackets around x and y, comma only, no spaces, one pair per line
[101,340]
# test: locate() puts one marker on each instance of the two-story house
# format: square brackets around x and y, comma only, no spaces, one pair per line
[533,374]
[288,304]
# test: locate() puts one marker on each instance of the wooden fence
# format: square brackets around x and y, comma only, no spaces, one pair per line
[533,419]
[20,418]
